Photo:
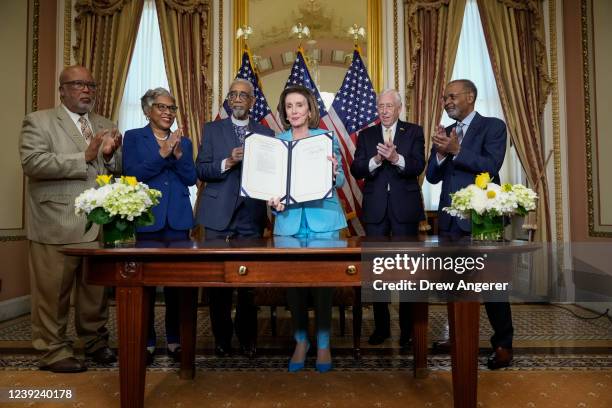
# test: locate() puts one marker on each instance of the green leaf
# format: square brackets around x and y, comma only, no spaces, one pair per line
[121,224]
[476,218]
[521,211]
[99,216]
[145,219]
[88,226]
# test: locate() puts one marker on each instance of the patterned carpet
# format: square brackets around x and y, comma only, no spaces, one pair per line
[546,338]
[337,389]
[560,361]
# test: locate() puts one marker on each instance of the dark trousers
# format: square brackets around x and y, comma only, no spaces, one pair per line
[499,313]
[171,294]
[297,298]
[242,225]
[390,226]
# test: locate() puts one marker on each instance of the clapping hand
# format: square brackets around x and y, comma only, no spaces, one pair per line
[446,144]
[388,151]
[175,143]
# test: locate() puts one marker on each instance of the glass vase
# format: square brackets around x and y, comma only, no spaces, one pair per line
[488,228]
[118,236]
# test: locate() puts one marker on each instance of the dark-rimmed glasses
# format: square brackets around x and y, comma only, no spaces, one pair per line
[80,85]
[162,107]
[238,95]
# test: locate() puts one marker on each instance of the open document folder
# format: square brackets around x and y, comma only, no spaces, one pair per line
[296,171]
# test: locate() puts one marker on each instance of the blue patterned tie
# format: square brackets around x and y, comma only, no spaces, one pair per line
[241,132]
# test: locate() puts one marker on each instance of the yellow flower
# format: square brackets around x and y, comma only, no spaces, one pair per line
[129,180]
[506,187]
[103,179]
[482,180]
[491,194]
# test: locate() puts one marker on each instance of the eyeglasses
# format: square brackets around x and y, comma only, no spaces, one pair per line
[162,107]
[451,96]
[387,106]
[238,95]
[80,85]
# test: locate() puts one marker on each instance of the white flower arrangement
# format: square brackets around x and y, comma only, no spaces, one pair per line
[486,203]
[121,201]
[486,198]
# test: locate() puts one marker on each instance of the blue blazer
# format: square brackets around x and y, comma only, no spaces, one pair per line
[172,177]
[322,215]
[402,186]
[482,150]
[220,197]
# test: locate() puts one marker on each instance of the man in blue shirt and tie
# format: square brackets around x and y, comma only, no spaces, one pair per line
[474,144]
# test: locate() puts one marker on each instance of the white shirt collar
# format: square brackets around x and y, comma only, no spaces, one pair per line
[239,122]
[75,117]
[468,119]
[392,127]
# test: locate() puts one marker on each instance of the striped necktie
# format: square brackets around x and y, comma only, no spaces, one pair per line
[85,129]
[459,131]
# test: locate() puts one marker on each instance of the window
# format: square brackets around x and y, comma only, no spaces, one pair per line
[147,70]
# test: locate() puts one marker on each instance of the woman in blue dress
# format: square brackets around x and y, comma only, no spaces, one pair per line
[319,219]
[164,160]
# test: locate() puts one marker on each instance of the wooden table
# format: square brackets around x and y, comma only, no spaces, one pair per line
[255,263]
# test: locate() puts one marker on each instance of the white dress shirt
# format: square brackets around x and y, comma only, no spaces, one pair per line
[401,162]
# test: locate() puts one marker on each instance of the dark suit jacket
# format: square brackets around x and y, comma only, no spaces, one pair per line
[482,150]
[405,192]
[221,194]
[172,177]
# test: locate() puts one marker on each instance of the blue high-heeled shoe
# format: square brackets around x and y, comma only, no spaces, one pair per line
[298,365]
[323,367]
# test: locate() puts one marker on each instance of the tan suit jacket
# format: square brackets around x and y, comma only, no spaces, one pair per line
[53,157]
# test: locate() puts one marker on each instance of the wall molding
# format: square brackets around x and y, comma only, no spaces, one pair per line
[556,134]
[35,28]
[588,122]
[12,308]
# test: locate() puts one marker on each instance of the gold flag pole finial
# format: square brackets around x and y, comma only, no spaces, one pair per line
[356,32]
[244,32]
[300,31]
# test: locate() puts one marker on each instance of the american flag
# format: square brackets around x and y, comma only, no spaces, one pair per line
[261,111]
[353,109]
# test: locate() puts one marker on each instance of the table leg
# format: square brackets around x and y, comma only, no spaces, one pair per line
[463,319]
[419,338]
[132,320]
[357,314]
[189,314]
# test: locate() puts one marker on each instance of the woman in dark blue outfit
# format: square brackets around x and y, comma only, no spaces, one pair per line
[163,160]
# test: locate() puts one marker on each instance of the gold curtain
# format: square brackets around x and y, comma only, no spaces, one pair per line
[514,31]
[432,35]
[106,33]
[184,26]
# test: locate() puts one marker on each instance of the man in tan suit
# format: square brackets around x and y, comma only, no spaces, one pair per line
[63,150]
